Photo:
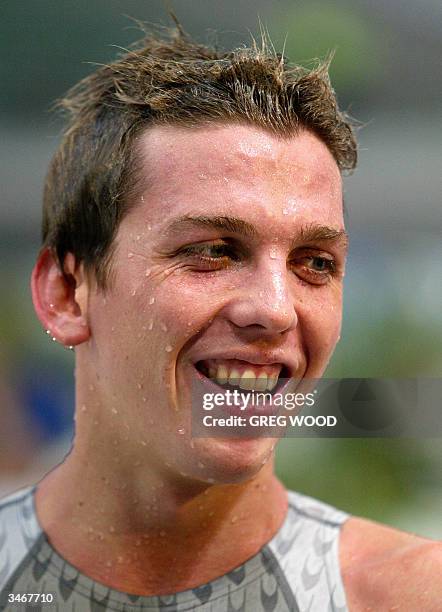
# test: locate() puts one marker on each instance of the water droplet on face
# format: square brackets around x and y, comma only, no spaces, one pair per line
[273,254]
[104,301]
[168,348]
[114,411]
[142,198]
[143,443]
[211,480]
[261,294]
[139,386]
[112,328]
[130,255]
[138,237]
[234,519]
[149,227]
[192,444]
[163,327]
[201,465]
[151,300]
[285,211]
[83,408]
[150,326]
[148,271]
[144,399]
[181,431]
[91,388]
[134,292]
[112,529]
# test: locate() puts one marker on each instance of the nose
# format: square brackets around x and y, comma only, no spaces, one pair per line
[265,302]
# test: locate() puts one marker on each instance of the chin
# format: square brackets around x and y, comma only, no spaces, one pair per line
[230,460]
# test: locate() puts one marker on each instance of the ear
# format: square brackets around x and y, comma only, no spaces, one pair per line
[60,300]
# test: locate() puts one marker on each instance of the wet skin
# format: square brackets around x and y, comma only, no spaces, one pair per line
[234,248]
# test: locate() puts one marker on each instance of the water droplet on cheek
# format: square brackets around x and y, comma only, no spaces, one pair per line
[168,348]
[134,292]
[148,272]
[130,255]
[151,300]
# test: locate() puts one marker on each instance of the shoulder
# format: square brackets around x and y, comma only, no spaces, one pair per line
[19,529]
[384,568]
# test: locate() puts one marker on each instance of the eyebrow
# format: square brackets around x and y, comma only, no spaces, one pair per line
[228,224]
[308,233]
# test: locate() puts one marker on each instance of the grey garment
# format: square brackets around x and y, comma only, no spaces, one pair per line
[297,571]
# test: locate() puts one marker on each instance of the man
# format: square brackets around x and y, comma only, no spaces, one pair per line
[193,229]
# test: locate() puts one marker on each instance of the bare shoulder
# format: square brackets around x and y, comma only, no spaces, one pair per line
[387,569]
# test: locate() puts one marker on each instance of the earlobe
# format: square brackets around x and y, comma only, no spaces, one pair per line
[60,300]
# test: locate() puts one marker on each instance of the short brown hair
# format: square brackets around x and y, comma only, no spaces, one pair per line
[170,79]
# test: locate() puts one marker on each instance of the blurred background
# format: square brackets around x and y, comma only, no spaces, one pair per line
[387,72]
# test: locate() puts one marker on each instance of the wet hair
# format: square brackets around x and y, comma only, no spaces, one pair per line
[170,79]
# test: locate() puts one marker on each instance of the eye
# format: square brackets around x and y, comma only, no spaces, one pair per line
[317,269]
[210,255]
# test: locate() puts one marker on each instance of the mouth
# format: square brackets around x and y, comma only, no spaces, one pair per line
[238,374]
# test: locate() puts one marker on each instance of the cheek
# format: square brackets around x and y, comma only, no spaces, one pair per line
[320,315]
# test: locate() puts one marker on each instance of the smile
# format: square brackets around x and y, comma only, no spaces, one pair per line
[235,373]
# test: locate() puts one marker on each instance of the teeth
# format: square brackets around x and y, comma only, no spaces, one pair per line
[272,382]
[247,380]
[261,382]
[222,375]
[234,377]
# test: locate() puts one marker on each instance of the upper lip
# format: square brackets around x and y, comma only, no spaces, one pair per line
[258,359]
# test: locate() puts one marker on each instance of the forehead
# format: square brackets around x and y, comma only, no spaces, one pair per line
[238,166]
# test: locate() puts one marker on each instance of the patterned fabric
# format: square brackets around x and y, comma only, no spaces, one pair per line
[297,571]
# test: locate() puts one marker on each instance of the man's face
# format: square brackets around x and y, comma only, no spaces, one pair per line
[230,263]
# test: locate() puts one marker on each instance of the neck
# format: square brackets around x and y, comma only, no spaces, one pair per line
[158,534]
